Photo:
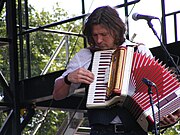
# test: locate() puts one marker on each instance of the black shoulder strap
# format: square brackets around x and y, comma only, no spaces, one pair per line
[135,48]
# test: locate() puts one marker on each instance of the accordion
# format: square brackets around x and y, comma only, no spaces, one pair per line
[118,80]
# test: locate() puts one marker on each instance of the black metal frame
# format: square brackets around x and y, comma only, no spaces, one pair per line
[16,94]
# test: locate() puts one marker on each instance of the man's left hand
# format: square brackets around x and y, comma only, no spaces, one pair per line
[170,119]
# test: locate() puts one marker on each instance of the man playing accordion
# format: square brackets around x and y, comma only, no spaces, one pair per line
[104,30]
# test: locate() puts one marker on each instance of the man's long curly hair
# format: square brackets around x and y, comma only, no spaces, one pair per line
[109,18]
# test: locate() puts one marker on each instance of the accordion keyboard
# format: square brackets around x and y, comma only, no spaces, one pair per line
[97,90]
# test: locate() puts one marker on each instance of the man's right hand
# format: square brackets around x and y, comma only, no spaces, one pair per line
[81,75]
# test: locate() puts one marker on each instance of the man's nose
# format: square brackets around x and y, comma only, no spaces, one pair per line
[99,39]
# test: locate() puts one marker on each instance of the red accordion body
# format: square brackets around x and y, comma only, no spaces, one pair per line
[133,93]
[168,88]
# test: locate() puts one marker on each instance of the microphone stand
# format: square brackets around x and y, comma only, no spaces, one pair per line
[152,102]
[163,46]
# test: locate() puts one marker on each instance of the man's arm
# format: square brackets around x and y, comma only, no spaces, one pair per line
[61,88]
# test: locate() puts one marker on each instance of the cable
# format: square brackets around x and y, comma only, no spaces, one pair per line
[42,118]
[158,105]
[75,43]
[126,20]
[131,10]
[85,87]
[74,114]
[46,111]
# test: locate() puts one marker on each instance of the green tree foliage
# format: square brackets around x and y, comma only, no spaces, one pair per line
[4,54]
[49,124]
[173,130]
[43,44]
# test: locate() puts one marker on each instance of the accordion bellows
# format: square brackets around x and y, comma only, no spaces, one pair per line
[126,71]
[168,88]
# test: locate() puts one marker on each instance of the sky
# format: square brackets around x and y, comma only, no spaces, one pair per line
[140,27]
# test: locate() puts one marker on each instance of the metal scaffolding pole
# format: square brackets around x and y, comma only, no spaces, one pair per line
[13,54]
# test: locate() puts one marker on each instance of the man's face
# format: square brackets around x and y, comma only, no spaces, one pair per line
[102,37]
